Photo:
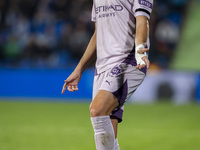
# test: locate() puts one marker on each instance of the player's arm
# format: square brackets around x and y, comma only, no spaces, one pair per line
[88,57]
[142,33]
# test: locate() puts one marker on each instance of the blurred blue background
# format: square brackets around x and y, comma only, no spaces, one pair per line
[41,41]
[42,83]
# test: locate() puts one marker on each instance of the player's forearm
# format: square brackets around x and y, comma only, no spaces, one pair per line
[89,55]
[142,30]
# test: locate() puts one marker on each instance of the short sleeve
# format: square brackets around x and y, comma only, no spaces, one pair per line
[93,16]
[143,8]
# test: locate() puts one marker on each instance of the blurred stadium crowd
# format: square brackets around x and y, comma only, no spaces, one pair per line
[55,33]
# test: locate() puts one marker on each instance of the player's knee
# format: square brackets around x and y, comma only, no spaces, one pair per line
[95,112]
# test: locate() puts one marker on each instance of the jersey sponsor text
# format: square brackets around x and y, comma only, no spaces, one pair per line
[109,8]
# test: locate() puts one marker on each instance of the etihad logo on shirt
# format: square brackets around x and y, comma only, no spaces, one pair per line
[109,8]
[146,3]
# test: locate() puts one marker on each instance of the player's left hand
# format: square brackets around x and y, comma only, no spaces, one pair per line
[71,83]
[141,58]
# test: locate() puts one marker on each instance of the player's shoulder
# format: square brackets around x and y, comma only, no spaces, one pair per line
[143,7]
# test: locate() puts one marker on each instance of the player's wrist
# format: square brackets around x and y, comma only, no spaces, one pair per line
[79,70]
[139,56]
[139,46]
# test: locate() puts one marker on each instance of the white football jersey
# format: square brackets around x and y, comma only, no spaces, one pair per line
[115,20]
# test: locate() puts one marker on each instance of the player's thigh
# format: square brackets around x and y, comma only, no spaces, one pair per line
[103,103]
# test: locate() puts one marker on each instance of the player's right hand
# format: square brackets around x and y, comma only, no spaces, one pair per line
[71,83]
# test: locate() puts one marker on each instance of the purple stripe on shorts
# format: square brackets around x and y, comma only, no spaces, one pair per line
[118,113]
[121,93]
[130,59]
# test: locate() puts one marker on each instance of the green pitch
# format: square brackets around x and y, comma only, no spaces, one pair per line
[66,126]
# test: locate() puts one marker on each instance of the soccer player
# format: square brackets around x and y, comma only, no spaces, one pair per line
[119,44]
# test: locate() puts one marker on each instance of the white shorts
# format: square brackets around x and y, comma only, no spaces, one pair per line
[121,80]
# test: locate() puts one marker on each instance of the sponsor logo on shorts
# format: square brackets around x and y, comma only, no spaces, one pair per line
[146,3]
[108,82]
[116,71]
